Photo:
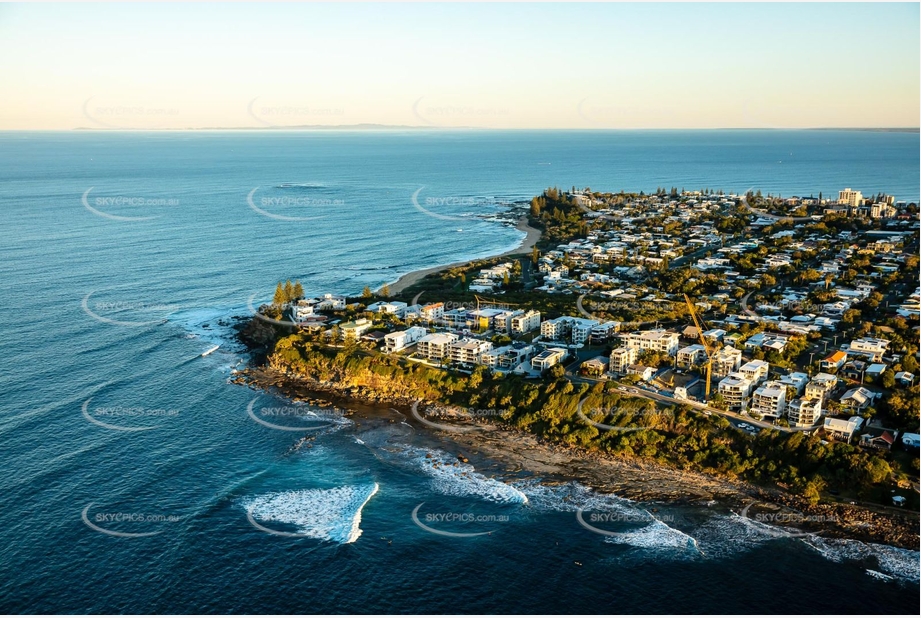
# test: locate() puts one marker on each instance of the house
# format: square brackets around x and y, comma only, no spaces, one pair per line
[436,346]
[467,351]
[875,370]
[840,429]
[906,378]
[594,366]
[769,400]
[834,362]
[548,358]
[691,355]
[735,389]
[855,370]
[726,361]
[911,440]
[882,442]
[868,347]
[804,412]
[644,373]
[394,342]
[755,370]
[657,340]
[857,399]
[621,359]
[821,385]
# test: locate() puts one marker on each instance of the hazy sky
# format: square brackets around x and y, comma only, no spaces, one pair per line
[508,66]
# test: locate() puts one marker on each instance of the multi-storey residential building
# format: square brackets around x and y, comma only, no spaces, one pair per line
[556,329]
[621,359]
[433,312]
[436,346]
[851,198]
[795,380]
[820,386]
[755,370]
[804,412]
[393,342]
[395,307]
[840,429]
[657,340]
[602,332]
[769,400]
[507,357]
[581,329]
[735,389]
[467,351]
[525,322]
[691,355]
[726,361]
[354,330]
[548,358]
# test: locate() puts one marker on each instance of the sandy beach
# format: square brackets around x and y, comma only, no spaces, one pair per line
[533,235]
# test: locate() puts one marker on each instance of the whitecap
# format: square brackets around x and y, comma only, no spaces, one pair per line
[453,478]
[901,564]
[323,514]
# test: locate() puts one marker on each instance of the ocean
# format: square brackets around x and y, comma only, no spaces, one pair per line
[137,479]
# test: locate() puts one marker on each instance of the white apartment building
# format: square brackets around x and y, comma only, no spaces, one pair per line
[769,400]
[581,329]
[621,359]
[354,330]
[726,361]
[525,322]
[556,329]
[602,332]
[548,358]
[394,342]
[694,354]
[735,389]
[507,357]
[820,386]
[804,412]
[468,351]
[656,340]
[796,380]
[332,302]
[433,312]
[396,307]
[436,346]
[755,370]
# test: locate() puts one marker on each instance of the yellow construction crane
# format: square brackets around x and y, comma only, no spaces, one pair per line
[703,340]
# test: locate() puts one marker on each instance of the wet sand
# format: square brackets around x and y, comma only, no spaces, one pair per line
[533,235]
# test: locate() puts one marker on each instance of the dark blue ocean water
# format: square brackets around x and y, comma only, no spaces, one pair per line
[121,251]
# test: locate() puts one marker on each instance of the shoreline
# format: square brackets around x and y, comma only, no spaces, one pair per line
[532,235]
[508,453]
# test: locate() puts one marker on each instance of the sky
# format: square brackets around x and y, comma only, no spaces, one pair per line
[512,66]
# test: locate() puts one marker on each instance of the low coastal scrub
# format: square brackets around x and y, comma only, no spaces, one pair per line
[608,421]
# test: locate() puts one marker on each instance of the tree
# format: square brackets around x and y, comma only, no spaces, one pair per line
[385,291]
[367,293]
[298,291]
[279,299]
[289,291]
[535,254]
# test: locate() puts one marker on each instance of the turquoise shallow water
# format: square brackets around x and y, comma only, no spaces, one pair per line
[104,319]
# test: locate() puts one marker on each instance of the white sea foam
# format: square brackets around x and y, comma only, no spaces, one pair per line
[453,478]
[631,524]
[901,564]
[323,514]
